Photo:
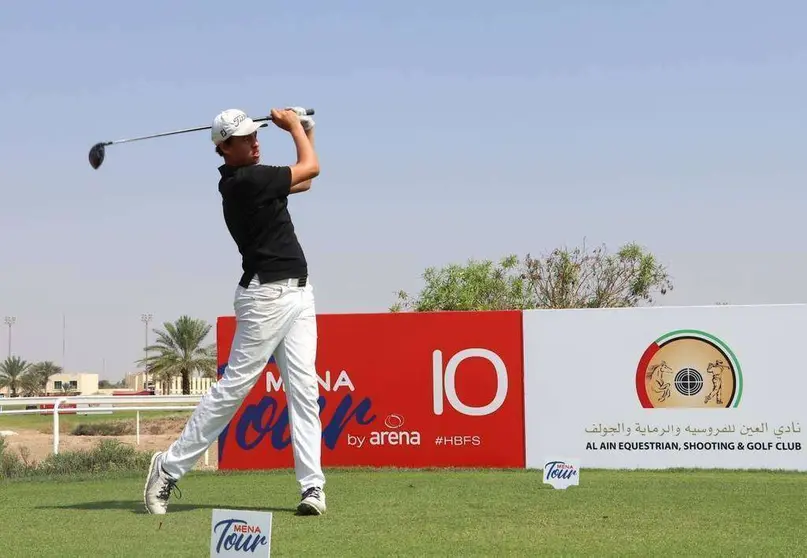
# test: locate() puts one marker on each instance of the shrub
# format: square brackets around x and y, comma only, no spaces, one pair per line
[113,428]
[10,462]
[106,456]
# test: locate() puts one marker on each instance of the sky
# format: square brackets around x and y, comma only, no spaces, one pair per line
[445,132]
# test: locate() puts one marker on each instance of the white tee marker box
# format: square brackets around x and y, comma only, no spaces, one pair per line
[235,533]
[562,473]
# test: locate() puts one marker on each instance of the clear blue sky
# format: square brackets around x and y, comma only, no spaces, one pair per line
[465,130]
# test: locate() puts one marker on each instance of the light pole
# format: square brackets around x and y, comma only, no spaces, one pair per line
[64,342]
[9,321]
[146,318]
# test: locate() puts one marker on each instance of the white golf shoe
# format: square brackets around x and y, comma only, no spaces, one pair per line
[158,487]
[312,502]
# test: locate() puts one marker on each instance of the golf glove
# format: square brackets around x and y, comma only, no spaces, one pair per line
[305,119]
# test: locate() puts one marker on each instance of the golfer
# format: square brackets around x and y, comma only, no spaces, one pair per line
[274,307]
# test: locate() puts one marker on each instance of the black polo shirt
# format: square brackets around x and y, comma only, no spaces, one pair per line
[255,205]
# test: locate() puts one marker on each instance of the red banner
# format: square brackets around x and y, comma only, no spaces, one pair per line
[440,389]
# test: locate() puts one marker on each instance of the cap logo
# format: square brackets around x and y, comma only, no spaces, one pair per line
[239,119]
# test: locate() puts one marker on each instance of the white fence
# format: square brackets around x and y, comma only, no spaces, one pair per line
[97,404]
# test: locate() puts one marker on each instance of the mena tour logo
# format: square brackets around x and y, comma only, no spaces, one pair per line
[240,532]
[562,473]
[689,369]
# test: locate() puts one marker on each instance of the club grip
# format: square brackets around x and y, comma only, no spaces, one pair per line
[308,112]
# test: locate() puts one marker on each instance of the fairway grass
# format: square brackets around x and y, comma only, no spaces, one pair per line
[423,513]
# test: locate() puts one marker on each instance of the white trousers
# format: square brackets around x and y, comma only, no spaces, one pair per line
[270,318]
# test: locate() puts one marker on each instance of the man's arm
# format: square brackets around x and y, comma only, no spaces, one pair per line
[307,166]
[271,182]
[306,185]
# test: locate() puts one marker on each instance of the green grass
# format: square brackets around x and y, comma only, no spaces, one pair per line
[44,423]
[423,513]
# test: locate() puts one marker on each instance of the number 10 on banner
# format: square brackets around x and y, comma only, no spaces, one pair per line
[445,382]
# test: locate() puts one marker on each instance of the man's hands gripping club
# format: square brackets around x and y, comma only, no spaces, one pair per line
[305,119]
[301,127]
[286,118]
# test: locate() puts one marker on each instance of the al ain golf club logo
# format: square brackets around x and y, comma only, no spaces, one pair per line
[689,369]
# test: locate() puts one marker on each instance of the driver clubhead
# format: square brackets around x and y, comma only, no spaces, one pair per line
[97,153]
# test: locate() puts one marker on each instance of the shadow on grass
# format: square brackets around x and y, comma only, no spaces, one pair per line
[137,507]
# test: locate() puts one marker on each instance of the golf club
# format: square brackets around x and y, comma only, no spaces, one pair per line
[98,151]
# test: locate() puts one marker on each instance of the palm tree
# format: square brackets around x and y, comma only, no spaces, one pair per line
[179,352]
[12,371]
[160,377]
[35,381]
[29,385]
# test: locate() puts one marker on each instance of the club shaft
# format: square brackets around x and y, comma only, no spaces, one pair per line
[183,131]
[260,119]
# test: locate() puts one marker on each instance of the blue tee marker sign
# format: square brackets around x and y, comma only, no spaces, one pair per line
[562,473]
[239,533]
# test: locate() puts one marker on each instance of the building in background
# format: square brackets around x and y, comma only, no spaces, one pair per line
[73,384]
[68,384]
[135,382]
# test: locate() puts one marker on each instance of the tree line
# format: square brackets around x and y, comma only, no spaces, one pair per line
[578,277]
[28,379]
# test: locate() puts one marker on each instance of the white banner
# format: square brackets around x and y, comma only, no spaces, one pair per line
[699,387]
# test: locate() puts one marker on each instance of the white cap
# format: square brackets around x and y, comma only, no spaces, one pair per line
[233,122]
